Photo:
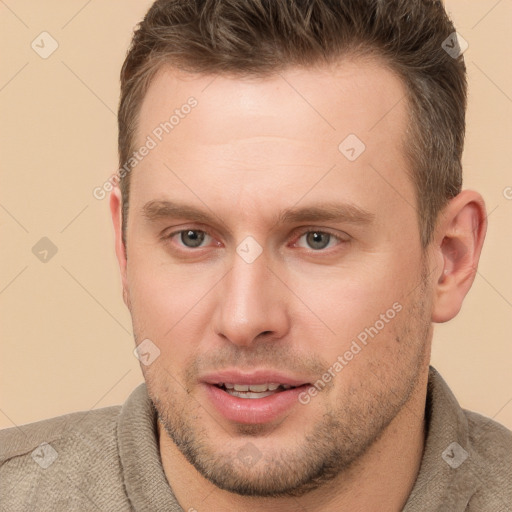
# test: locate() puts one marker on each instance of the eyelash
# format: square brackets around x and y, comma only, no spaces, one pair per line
[168,238]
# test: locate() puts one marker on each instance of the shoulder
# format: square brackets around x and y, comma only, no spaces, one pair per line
[489,438]
[491,461]
[20,440]
[467,460]
[43,462]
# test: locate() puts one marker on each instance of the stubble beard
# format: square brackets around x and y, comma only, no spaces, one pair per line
[341,436]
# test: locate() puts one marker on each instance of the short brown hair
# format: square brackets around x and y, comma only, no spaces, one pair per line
[261,37]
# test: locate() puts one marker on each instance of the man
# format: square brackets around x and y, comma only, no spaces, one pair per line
[289,224]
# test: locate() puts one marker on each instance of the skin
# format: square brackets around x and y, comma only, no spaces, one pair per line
[248,151]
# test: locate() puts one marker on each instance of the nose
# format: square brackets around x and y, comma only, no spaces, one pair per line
[252,303]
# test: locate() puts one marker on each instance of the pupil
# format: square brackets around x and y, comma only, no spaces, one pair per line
[318,240]
[192,238]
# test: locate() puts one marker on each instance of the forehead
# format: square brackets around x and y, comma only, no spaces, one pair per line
[249,136]
[354,95]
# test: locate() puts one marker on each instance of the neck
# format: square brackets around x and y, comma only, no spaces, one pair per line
[381,479]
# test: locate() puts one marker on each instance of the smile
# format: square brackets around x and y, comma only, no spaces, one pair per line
[253,390]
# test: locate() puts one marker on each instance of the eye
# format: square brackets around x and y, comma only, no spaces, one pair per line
[318,240]
[190,238]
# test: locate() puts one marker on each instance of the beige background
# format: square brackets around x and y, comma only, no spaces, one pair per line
[66,335]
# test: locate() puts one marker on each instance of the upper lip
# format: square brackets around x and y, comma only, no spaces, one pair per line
[253,377]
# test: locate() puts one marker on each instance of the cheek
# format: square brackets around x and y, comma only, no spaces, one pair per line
[358,309]
[348,298]
[166,300]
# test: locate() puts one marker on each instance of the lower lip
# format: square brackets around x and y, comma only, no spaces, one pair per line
[253,410]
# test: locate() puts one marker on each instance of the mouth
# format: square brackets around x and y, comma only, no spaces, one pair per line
[253,391]
[254,398]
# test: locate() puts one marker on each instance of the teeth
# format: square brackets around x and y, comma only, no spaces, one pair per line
[256,388]
[249,394]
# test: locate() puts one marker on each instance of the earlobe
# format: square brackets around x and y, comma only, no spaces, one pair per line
[116,213]
[458,242]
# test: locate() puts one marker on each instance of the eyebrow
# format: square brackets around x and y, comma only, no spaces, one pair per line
[334,212]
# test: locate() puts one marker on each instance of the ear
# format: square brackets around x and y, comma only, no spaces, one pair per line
[116,212]
[458,241]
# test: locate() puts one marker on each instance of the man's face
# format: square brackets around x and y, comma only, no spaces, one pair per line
[304,265]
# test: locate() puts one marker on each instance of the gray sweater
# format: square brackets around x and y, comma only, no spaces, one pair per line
[108,460]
